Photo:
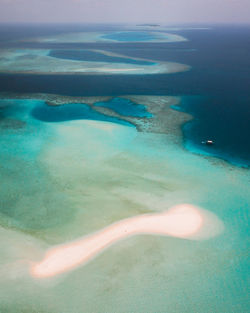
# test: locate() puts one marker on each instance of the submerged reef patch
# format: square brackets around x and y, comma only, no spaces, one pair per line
[151,114]
[11,124]
[8,118]
[111,36]
[20,61]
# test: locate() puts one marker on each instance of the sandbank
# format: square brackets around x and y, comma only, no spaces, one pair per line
[182,221]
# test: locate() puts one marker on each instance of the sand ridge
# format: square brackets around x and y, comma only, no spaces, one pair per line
[181,221]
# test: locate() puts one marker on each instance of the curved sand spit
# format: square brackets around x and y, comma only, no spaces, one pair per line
[183,221]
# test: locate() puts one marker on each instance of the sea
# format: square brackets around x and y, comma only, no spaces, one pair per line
[215,91]
[67,171]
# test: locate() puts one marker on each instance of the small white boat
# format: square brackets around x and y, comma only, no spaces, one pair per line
[208,142]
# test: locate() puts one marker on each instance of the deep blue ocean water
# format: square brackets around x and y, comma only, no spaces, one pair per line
[216,91]
[226,126]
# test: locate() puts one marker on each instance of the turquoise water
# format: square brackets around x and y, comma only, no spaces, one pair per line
[69,171]
[73,111]
[22,172]
[28,197]
[93,56]
[125,107]
[27,144]
[130,36]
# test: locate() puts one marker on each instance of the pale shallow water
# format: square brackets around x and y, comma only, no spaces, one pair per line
[68,179]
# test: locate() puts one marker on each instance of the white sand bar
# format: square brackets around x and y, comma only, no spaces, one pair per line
[182,221]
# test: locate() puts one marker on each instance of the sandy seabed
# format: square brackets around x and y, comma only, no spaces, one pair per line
[88,184]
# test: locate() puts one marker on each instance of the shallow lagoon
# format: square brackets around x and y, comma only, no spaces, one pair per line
[125,107]
[130,36]
[73,111]
[94,56]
